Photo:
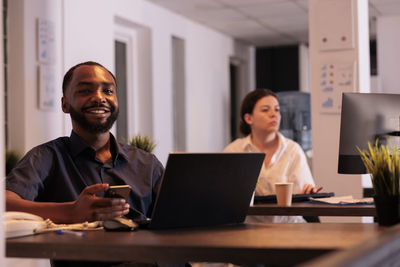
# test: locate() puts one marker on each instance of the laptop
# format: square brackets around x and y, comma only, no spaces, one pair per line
[205,189]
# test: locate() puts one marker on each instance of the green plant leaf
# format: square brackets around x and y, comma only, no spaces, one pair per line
[383,164]
[12,159]
[143,142]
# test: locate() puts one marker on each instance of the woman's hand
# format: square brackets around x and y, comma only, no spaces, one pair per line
[310,189]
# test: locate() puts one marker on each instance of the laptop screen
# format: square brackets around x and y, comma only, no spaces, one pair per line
[204,189]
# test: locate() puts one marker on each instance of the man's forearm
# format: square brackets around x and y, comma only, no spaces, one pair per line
[87,207]
[56,212]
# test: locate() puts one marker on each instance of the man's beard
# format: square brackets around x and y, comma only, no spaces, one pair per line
[94,128]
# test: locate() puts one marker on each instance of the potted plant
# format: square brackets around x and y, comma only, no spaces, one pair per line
[383,164]
[12,158]
[143,142]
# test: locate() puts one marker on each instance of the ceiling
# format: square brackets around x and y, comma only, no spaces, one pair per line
[263,22]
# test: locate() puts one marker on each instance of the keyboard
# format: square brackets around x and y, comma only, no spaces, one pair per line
[295,197]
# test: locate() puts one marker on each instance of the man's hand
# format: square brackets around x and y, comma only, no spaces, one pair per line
[89,207]
[310,189]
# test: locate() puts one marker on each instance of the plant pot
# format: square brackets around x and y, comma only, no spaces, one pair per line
[387,209]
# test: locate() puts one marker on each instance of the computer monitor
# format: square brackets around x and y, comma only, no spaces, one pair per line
[364,118]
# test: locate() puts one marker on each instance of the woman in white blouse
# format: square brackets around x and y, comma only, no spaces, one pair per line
[285,160]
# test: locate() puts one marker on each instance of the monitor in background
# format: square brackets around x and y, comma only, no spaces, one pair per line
[364,118]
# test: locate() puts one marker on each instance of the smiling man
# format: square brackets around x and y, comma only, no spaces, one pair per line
[64,179]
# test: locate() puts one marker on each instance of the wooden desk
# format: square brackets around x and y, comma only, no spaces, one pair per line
[312,209]
[382,251]
[277,244]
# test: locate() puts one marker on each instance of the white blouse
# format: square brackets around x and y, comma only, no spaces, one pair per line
[288,164]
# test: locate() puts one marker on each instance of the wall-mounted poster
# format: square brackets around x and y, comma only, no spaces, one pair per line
[335,78]
[334,33]
[47,90]
[46,41]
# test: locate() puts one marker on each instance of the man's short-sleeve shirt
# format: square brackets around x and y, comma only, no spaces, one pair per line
[59,170]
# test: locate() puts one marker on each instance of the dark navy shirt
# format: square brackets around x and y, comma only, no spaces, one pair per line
[59,170]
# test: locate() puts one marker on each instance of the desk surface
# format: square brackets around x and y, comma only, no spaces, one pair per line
[281,244]
[384,250]
[312,209]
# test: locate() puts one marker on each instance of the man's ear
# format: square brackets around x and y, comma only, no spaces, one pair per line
[248,118]
[64,105]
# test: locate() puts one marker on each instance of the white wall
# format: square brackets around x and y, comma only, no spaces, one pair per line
[82,34]
[207,61]
[29,126]
[388,53]
[388,58]
[326,125]
[208,93]
[304,68]
[245,59]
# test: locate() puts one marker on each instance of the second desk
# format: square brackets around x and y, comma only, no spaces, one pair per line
[312,209]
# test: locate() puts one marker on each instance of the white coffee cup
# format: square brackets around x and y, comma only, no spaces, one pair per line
[284,193]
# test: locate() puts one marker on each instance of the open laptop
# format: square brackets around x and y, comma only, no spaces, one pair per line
[205,189]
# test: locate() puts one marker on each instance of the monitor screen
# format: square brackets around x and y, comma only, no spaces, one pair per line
[366,117]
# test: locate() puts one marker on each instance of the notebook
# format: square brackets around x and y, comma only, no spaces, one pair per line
[205,189]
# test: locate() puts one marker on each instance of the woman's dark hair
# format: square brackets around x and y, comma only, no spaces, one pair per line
[248,104]
[68,76]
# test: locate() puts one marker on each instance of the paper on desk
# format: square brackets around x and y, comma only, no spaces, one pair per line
[344,200]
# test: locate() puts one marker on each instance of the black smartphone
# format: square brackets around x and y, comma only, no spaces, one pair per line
[118,191]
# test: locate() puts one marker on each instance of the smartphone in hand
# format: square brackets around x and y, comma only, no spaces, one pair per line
[118,191]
